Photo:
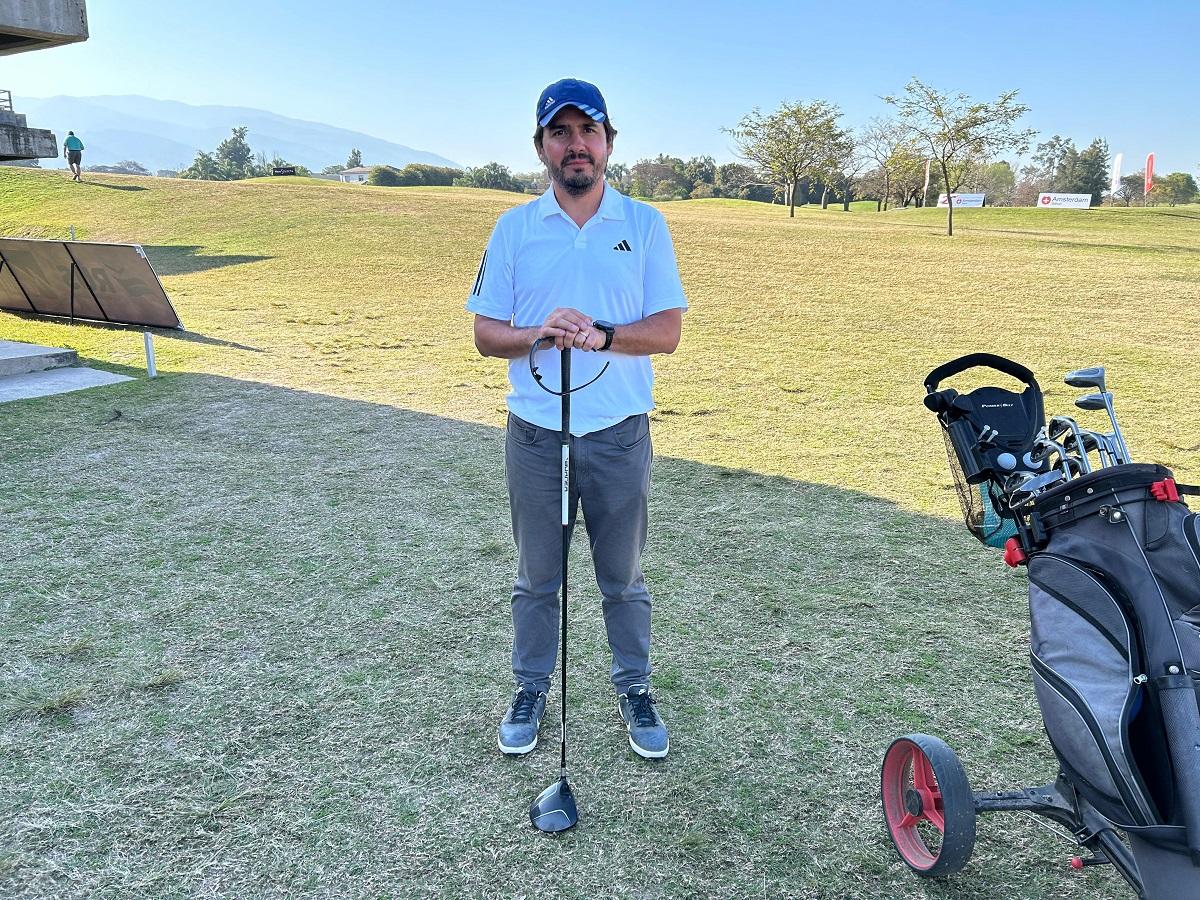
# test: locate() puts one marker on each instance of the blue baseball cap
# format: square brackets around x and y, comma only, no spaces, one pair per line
[571,92]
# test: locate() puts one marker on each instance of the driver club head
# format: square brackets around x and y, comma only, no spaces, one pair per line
[1093,401]
[554,810]
[1086,378]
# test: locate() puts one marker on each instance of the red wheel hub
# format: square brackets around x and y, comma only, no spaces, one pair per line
[911,796]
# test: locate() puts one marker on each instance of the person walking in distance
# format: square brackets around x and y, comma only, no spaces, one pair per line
[595,271]
[73,151]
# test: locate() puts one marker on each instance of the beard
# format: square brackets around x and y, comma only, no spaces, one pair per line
[576,183]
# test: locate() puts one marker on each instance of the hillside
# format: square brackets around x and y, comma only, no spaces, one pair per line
[166,134]
[257,610]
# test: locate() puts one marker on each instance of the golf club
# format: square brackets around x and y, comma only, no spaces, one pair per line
[1086,378]
[1104,401]
[1062,426]
[554,809]
[1031,487]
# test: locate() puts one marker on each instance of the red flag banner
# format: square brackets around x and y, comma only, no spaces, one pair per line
[1149,173]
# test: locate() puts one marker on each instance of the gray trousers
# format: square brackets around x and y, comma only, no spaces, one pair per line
[610,480]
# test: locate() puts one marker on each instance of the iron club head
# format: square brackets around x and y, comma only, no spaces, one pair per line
[554,810]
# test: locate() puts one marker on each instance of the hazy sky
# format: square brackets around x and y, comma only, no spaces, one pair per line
[463,82]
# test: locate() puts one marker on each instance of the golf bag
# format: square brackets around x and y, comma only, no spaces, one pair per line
[1113,558]
[1114,599]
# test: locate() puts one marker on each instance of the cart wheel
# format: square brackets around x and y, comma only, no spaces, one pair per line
[928,805]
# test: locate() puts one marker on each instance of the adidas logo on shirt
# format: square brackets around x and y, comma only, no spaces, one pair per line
[624,245]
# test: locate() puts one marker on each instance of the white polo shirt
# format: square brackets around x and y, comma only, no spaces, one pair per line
[619,267]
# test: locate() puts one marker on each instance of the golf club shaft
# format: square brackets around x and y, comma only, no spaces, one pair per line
[566,535]
[1117,436]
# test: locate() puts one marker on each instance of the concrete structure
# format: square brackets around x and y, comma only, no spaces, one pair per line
[34,24]
[357,175]
[18,140]
[28,370]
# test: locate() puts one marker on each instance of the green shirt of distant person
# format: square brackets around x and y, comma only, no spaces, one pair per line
[72,143]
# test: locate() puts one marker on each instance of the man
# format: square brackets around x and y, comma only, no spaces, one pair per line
[594,271]
[73,151]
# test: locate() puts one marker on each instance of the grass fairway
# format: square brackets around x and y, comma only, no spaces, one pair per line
[255,612]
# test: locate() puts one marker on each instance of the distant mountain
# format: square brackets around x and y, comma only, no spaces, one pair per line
[165,134]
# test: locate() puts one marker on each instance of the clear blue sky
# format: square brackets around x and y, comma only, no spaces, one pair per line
[462,81]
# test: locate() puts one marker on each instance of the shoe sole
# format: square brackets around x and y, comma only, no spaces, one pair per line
[516,751]
[649,754]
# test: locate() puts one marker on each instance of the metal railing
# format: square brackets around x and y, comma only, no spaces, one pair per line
[6,101]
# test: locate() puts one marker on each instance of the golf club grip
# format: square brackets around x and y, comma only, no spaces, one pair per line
[970,361]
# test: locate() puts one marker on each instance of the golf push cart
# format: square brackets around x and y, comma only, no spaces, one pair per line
[1113,559]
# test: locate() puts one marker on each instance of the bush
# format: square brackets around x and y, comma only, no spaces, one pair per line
[384,176]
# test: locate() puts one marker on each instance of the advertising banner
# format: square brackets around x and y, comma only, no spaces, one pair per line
[1064,201]
[1116,175]
[1149,173]
[962,200]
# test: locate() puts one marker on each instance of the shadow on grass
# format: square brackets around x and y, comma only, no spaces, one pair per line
[169,333]
[114,187]
[184,260]
[323,584]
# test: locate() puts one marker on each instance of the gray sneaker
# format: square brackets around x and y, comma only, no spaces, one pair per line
[519,727]
[647,731]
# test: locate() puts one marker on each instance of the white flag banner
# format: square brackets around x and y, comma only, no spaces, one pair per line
[925,189]
[1116,175]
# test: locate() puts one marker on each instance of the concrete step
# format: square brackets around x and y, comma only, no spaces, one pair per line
[18,359]
[54,381]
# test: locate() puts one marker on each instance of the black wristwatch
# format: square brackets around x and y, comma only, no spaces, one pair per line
[609,330]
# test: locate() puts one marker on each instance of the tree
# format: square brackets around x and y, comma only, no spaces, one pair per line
[956,129]
[204,167]
[167,173]
[1178,187]
[1091,172]
[908,174]
[1132,188]
[617,175]
[422,174]
[843,164]
[997,181]
[1052,164]
[124,167]
[885,142]
[354,160]
[790,144]
[700,170]
[491,176]
[659,177]
[234,155]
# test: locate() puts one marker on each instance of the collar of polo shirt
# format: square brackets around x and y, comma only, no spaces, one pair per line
[610,204]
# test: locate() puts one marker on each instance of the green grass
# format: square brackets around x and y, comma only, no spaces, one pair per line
[255,611]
